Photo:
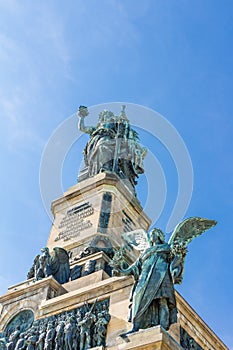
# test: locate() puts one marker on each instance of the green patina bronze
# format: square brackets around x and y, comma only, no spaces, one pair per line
[113,146]
[55,264]
[81,328]
[159,266]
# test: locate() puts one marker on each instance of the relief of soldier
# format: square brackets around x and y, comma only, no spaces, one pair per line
[79,329]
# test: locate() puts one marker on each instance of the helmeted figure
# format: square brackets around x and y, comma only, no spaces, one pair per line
[113,146]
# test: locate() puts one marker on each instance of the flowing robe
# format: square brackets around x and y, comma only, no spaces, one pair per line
[114,140]
[99,151]
[153,281]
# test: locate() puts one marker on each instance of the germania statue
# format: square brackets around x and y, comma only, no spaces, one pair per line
[113,146]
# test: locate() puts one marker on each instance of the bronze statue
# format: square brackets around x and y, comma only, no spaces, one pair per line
[42,265]
[86,325]
[31,340]
[100,329]
[21,343]
[49,339]
[59,339]
[113,146]
[55,264]
[41,339]
[78,329]
[13,338]
[159,266]
[2,343]
[69,332]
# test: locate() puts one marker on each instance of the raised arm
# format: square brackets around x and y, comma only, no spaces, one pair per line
[82,113]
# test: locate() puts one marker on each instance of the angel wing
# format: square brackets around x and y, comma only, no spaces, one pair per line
[183,234]
[189,229]
[137,239]
[59,264]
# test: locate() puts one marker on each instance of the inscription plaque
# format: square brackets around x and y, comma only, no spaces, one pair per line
[74,222]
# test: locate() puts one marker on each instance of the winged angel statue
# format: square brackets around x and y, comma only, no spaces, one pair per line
[56,264]
[159,266]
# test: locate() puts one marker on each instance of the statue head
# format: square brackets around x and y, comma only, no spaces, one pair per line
[106,117]
[156,236]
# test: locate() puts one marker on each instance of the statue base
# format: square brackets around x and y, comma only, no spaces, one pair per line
[148,339]
[89,221]
[96,212]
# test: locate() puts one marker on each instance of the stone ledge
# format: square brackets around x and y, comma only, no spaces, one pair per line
[30,286]
[196,327]
[155,338]
[76,298]
[86,281]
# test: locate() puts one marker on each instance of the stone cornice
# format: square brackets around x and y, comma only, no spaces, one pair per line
[30,287]
[76,298]
[196,327]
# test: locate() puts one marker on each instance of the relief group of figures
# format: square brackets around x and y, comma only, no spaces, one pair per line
[79,329]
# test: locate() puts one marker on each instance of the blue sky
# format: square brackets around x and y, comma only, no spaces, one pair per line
[172,56]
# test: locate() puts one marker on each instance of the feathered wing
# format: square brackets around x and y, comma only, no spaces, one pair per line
[59,264]
[138,239]
[190,228]
[183,234]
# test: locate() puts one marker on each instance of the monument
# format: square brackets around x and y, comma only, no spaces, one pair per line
[104,279]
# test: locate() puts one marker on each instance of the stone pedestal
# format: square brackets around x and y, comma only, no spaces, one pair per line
[28,295]
[155,338]
[94,214]
[97,210]
[37,296]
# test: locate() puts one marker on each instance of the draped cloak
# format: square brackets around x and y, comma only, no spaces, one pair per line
[100,151]
[154,282]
